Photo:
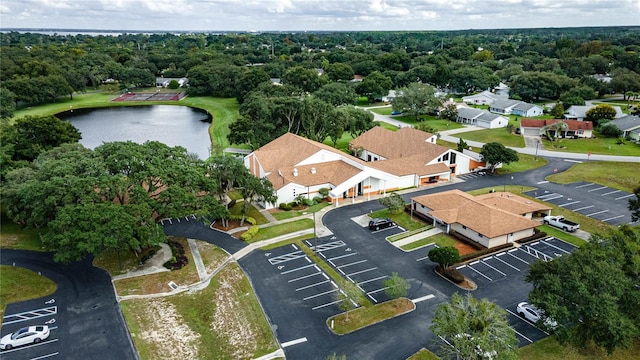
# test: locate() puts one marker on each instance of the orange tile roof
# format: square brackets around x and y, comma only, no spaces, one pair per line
[393,145]
[455,206]
[331,172]
[512,203]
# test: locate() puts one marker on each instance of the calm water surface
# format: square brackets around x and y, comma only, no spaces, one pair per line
[171,125]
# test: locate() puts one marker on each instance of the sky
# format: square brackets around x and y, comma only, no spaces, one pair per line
[314,15]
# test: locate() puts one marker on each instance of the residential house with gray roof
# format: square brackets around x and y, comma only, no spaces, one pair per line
[481,118]
[579,112]
[629,125]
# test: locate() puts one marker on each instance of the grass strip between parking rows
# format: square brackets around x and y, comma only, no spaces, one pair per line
[20,284]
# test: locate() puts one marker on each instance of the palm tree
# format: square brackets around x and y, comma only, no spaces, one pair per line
[551,131]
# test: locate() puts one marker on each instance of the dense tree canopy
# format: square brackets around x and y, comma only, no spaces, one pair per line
[474,328]
[593,292]
[109,198]
[417,99]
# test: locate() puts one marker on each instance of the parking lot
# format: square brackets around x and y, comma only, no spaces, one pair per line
[506,263]
[596,201]
[472,175]
[45,315]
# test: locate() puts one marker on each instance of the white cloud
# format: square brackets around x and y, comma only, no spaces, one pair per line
[292,15]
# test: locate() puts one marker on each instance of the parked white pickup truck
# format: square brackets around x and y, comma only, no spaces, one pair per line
[562,223]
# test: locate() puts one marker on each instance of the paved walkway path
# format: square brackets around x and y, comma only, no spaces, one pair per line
[416,237]
[151,266]
[197,259]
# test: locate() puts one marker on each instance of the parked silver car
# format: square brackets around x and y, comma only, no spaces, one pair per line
[533,314]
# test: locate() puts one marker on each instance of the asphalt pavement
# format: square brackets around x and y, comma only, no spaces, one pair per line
[85,319]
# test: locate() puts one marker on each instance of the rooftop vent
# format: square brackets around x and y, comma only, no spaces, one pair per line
[313,170]
[295,172]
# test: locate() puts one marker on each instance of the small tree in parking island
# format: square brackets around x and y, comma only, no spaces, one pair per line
[396,286]
[394,203]
[444,256]
[349,297]
[634,205]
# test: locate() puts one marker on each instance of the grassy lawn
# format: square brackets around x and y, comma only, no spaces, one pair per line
[557,233]
[401,218]
[116,263]
[251,212]
[364,316]
[549,349]
[282,229]
[525,162]
[159,282]
[20,284]
[222,321]
[500,135]
[621,176]
[423,354]
[13,236]
[212,256]
[224,111]
[599,145]
[283,215]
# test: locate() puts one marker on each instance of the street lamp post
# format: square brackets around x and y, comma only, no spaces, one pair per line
[315,236]
[537,144]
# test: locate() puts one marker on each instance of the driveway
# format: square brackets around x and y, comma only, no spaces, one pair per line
[85,318]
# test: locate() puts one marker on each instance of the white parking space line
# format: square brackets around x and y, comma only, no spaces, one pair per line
[626,196]
[569,203]
[46,356]
[362,271]
[581,186]
[546,196]
[598,212]
[423,298]
[325,305]
[349,264]
[372,280]
[490,279]
[610,192]
[596,189]
[506,263]
[573,161]
[377,290]
[557,196]
[312,285]
[510,253]
[582,208]
[28,315]
[542,182]
[298,269]
[343,256]
[422,258]
[29,346]
[555,247]
[494,268]
[304,277]
[615,217]
[294,342]
[320,294]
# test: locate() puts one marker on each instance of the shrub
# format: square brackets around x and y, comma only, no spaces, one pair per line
[309,202]
[610,130]
[284,206]
[324,192]
[453,275]
[249,234]
[179,259]
[318,199]
[247,219]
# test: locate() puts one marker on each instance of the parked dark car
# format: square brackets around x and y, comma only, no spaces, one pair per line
[396,113]
[380,223]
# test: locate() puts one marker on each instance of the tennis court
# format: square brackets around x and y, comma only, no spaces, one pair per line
[154,96]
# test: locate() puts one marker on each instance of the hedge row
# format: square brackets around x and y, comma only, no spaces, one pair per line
[249,234]
[248,219]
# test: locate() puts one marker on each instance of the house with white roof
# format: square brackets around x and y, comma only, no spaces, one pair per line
[579,112]
[481,118]
[385,160]
[483,98]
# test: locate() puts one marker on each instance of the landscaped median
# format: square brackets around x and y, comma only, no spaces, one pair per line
[364,316]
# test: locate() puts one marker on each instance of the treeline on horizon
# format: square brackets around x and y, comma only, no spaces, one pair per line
[546,63]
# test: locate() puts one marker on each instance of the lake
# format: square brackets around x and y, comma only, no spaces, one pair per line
[168,124]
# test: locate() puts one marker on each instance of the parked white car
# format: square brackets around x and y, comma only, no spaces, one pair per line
[24,336]
[533,314]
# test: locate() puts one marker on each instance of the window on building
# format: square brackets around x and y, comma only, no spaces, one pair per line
[480,235]
[445,157]
[453,158]
[368,157]
[464,227]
